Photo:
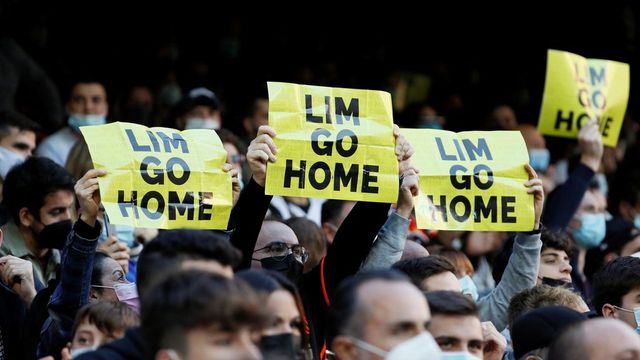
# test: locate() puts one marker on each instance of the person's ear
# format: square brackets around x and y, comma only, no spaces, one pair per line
[344,348]
[608,311]
[25,218]
[609,257]
[93,295]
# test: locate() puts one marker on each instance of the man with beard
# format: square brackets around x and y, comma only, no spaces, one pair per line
[38,194]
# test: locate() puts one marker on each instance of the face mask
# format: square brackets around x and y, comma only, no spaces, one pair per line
[636,313]
[591,231]
[430,122]
[458,355]
[126,293]
[636,221]
[417,348]
[539,159]
[556,283]
[281,346]
[8,159]
[78,120]
[54,236]
[199,123]
[124,233]
[469,287]
[603,184]
[77,352]
[289,267]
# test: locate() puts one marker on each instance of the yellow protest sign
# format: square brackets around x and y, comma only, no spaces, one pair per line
[471,180]
[161,177]
[577,89]
[332,143]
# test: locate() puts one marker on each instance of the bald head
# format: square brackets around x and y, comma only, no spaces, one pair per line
[413,250]
[532,137]
[272,231]
[592,340]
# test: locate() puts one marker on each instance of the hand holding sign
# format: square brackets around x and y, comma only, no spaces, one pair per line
[261,150]
[117,250]
[408,189]
[235,182]
[590,142]
[534,186]
[87,191]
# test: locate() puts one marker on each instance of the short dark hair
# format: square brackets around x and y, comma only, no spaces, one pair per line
[9,119]
[109,317]
[188,300]
[331,210]
[569,345]
[345,305]
[615,280]
[451,303]
[420,269]
[170,248]
[28,184]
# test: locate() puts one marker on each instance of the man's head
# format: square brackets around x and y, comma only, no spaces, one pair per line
[432,273]
[257,115]
[87,98]
[374,312]
[201,315]
[455,323]
[616,290]
[534,332]
[554,257]
[594,340]
[541,296]
[100,323]
[333,214]
[622,239]
[199,109]
[176,250]
[38,193]
[503,118]
[17,133]
[588,226]
[278,249]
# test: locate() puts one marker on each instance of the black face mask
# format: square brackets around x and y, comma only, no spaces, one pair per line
[54,236]
[289,267]
[557,283]
[279,347]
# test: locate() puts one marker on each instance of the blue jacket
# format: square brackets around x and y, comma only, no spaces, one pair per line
[72,292]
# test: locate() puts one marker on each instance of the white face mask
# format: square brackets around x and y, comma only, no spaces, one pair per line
[200,123]
[419,347]
[78,120]
[458,355]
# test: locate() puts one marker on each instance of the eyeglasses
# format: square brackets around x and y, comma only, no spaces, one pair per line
[279,250]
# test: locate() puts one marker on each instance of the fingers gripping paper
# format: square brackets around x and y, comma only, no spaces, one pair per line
[161,177]
[578,89]
[332,143]
[471,180]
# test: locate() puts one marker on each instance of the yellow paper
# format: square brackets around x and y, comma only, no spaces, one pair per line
[353,155]
[161,177]
[578,89]
[487,191]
